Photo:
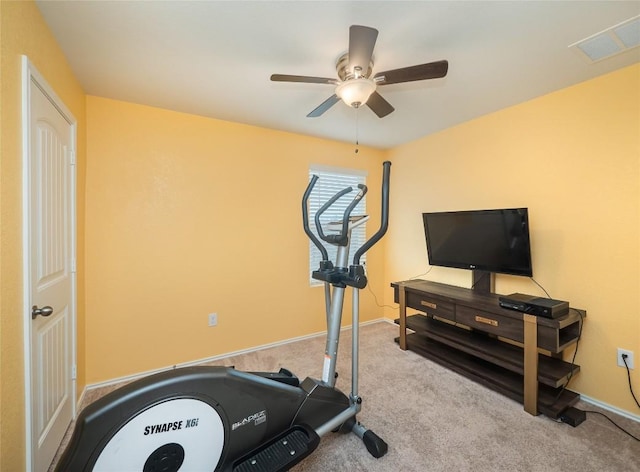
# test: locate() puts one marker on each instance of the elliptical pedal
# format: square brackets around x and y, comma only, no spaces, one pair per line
[281,453]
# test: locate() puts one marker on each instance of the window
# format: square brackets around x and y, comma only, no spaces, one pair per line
[331,180]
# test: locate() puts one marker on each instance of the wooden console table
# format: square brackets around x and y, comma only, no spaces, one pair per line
[516,354]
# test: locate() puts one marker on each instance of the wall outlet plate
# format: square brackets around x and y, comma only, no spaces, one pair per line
[629,358]
[213,319]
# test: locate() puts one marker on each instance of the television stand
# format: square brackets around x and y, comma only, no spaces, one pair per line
[513,353]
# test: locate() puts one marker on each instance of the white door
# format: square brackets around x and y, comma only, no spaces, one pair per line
[49,194]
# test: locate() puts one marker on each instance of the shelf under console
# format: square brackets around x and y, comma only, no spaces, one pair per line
[552,372]
[551,402]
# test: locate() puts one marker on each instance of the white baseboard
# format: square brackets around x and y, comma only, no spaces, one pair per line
[611,408]
[139,375]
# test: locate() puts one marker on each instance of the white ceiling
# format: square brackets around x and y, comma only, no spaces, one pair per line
[214,58]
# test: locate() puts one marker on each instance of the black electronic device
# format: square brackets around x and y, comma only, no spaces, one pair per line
[480,240]
[532,305]
[573,416]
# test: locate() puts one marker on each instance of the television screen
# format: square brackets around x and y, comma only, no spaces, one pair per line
[487,240]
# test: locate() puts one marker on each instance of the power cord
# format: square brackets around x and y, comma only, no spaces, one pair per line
[375,299]
[575,353]
[613,423]
[624,359]
[420,275]
[543,289]
[485,274]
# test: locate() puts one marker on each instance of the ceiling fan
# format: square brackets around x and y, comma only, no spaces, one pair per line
[355,85]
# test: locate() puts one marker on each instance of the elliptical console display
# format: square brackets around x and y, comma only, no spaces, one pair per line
[224,420]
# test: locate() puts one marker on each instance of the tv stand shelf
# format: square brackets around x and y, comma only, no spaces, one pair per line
[471,334]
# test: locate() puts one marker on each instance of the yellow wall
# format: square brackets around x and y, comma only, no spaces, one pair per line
[572,157]
[188,215]
[168,236]
[23,31]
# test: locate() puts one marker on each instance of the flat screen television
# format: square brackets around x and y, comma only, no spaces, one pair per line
[480,240]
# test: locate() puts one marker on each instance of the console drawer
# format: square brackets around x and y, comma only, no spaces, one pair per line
[510,328]
[431,305]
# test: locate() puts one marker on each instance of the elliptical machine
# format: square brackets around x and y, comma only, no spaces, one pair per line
[220,419]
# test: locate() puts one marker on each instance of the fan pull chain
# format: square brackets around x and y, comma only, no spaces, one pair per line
[357,143]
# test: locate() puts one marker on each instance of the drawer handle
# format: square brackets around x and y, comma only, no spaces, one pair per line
[428,304]
[489,321]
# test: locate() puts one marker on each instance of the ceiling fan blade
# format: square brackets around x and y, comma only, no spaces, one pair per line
[362,40]
[379,105]
[432,70]
[303,78]
[324,106]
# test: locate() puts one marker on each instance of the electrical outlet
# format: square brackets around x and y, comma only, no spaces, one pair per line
[629,359]
[213,319]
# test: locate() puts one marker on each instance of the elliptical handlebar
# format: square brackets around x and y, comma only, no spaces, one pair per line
[355,275]
[384,222]
[340,239]
[305,219]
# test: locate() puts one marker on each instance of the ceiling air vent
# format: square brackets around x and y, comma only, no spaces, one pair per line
[612,41]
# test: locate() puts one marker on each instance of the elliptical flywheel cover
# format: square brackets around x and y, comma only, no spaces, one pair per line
[182,433]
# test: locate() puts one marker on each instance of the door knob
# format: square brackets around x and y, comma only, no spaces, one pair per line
[44,311]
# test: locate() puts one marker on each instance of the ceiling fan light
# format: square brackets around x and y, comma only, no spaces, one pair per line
[356,92]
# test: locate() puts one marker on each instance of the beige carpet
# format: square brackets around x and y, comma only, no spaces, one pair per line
[436,420]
